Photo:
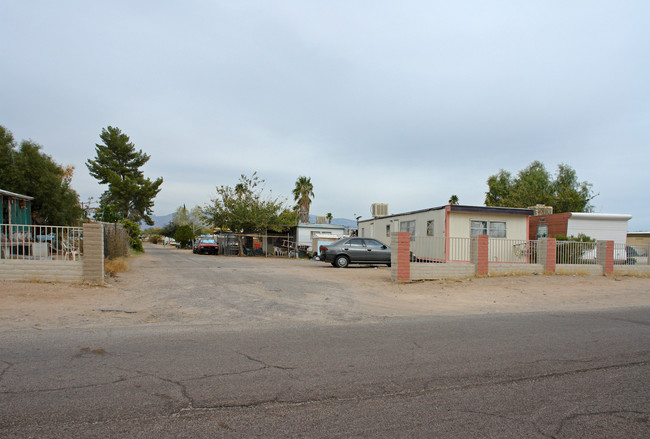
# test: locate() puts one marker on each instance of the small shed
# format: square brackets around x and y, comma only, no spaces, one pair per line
[16,208]
[305,233]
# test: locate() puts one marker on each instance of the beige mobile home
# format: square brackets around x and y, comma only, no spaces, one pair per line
[448,224]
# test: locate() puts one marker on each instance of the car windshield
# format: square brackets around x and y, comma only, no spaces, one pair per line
[208,241]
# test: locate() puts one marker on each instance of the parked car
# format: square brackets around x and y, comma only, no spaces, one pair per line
[206,246]
[629,256]
[355,250]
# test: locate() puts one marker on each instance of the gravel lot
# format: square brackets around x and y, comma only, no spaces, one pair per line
[170,286]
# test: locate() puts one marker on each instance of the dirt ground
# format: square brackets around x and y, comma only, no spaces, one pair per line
[297,292]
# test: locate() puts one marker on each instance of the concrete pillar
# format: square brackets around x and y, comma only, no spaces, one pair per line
[479,254]
[400,257]
[605,256]
[93,253]
[547,254]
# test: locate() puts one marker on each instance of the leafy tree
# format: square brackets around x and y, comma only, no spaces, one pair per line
[184,235]
[185,217]
[303,193]
[329,217]
[169,230]
[27,170]
[130,195]
[534,185]
[245,208]
[453,199]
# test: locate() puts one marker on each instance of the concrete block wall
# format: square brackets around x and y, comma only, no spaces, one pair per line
[448,270]
[515,269]
[44,271]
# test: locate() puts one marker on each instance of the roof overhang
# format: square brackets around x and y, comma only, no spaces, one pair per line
[14,195]
[601,216]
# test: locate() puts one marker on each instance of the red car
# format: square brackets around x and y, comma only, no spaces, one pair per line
[206,245]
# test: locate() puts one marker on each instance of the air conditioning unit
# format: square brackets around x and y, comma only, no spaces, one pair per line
[321,220]
[379,209]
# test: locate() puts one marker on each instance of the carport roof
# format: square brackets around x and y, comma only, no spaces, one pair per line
[14,195]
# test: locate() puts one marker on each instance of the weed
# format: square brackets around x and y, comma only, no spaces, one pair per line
[116,265]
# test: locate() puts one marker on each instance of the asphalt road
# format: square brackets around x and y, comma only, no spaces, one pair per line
[540,375]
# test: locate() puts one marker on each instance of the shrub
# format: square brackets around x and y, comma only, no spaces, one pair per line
[183,235]
[134,232]
[155,239]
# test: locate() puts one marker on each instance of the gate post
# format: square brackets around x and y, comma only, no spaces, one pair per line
[479,254]
[93,253]
[605,256]
[400,256]
[547,254]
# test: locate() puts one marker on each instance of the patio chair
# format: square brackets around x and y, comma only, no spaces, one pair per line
[70,252]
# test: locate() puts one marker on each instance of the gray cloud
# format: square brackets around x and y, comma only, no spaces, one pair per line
[405,104]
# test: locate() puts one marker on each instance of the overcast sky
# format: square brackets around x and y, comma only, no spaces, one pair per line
[404,103]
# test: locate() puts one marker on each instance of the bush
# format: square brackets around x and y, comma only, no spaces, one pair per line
[134,232]
[183,235]
[155,239]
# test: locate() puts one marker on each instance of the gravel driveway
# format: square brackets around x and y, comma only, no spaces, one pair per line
[170,286]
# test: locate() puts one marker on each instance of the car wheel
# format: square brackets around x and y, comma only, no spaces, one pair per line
[341,261]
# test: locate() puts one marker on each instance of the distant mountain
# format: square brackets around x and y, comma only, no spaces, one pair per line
[158,221]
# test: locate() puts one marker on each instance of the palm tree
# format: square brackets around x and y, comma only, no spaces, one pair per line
[453,199]
[303,193]
[329,217]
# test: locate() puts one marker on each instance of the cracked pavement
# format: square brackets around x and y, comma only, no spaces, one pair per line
[487,376]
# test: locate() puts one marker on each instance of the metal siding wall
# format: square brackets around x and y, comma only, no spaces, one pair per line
[600,230]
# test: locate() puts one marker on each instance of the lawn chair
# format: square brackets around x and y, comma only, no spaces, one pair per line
[70,252]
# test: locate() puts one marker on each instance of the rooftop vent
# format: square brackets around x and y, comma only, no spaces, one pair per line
[379,210]
[541,209]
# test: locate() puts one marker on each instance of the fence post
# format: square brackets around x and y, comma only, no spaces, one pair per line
[93,254]
[478,254]
[605,256]
[547,254]
[400,257]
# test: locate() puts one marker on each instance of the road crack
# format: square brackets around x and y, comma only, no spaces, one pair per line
[4,370]
[404,393]
[266,365]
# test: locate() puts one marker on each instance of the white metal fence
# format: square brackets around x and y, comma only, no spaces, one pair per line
[512,251]
[573,252]
[436,249]
[631,254]
[40,242]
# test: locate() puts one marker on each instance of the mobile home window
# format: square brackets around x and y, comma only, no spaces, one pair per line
[430,228]
[387,229]
[497,229]
[542,231]
[408,226]
[478,228]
